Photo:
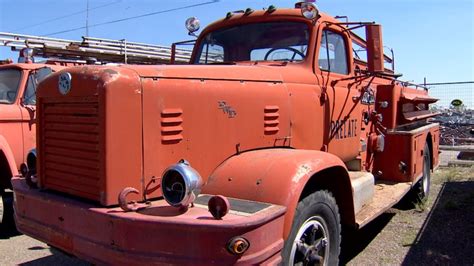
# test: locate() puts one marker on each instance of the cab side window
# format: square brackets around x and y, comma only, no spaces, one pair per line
[333,53]
[29,97]
[212,53]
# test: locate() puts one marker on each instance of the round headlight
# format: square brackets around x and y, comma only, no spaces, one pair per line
[309,11]
[192,24]
[31,160]
[30,177]
[181,184]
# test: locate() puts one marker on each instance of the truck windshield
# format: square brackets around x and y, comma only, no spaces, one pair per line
[9,81]
[269,41]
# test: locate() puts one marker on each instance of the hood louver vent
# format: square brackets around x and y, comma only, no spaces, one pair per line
[171,125]
[271,122]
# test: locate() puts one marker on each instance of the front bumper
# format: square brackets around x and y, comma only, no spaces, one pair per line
[156,235]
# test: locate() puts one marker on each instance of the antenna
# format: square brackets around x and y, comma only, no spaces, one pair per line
[87,18]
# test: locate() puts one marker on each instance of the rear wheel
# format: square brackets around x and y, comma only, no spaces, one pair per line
[315,235]
[420,191]
[422,188]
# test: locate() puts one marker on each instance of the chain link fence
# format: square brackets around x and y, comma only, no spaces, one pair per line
[449,91]
[456,108]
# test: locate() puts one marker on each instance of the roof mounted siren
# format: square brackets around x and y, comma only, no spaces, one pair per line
[26,55]
[192,25]
[308,9]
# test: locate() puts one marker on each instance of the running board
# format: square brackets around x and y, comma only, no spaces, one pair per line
[386,195]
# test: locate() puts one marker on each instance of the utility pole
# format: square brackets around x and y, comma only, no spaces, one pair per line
[87,19]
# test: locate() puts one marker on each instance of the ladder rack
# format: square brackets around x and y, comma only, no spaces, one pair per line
[101,50]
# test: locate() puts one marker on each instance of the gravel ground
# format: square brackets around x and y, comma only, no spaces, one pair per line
[439,231]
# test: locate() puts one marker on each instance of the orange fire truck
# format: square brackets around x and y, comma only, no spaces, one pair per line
[18,84]
[276,135]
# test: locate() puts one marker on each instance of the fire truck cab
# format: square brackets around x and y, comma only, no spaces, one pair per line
[257,152]
[18,84]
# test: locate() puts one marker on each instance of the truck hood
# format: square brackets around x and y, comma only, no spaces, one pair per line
[222,72]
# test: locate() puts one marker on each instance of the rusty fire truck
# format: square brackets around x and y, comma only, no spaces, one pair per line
[275,136]
[18,84]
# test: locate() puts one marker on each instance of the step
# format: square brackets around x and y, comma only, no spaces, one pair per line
[386,194]
[362,187]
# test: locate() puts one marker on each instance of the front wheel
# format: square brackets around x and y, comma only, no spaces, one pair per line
[315,235]
[7,210]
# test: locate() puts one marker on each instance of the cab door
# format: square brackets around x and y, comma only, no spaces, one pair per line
[11,82]
[28,108]
[341,94]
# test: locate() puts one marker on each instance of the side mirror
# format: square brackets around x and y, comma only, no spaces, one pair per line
[375,56]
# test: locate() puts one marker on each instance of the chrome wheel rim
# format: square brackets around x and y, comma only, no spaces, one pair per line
[425,181]
[425,184]
[311,244]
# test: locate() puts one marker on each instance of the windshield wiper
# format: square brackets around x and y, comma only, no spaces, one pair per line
[223,63]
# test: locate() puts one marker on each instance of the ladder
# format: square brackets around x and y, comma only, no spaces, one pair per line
[95,49]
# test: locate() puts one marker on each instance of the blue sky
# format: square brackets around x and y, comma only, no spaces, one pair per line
[431,38]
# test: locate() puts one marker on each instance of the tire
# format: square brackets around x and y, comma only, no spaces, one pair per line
[421,190]
[317,229]
[7,217]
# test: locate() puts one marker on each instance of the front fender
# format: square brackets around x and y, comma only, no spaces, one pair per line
[6,150]
[275,176]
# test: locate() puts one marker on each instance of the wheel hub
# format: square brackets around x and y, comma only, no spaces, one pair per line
[311,244]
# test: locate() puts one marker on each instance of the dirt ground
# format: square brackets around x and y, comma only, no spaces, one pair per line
[439,231]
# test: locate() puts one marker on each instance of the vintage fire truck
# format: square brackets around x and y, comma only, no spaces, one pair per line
[18,84]
[277,135]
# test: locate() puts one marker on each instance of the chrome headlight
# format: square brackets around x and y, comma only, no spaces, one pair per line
[31,160]
[30,177]
[181,184]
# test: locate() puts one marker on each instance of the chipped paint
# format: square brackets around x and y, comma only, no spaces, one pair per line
[302,171]
[109,75]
